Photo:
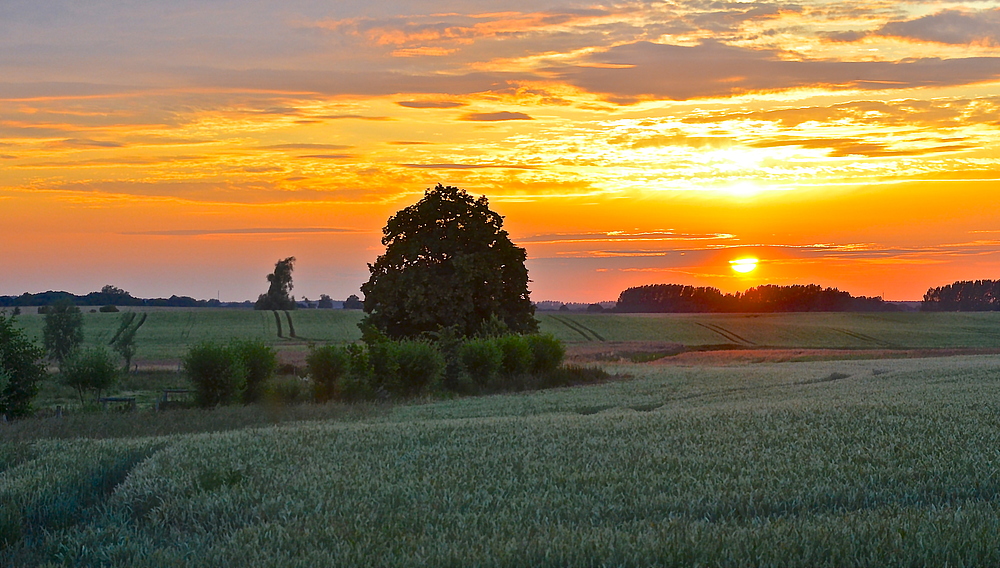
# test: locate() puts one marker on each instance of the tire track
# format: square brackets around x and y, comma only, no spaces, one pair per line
[186,334]
[592,332]
[735,338]
[866,338]
[572,327]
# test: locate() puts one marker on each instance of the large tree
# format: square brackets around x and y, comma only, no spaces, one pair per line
[448,262]
[277,296]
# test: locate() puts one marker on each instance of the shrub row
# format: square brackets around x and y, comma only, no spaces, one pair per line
[243,371]
[410,368]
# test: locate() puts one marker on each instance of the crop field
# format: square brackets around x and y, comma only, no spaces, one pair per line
[910,330]
[169,332]
[827,463]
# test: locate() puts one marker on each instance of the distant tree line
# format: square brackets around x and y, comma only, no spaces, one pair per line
[108,296]
[678,298]
[964,296]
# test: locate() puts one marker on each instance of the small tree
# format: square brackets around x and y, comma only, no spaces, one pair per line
[63,331]
[277,296]
[325,302]
[123,341]
[21,369]
[90,370]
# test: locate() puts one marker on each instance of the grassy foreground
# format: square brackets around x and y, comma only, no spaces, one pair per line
[835,463]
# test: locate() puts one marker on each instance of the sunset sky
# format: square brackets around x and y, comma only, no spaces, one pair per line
[183,147]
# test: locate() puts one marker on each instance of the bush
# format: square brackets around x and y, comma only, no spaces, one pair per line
[481,360]
[260,361]
[217,373]
[516,355]
[419,366]
[90,370]
[382,364]
[285,390]
[327,367]
[21,370]
[108,309]
[357,383]
[547,353]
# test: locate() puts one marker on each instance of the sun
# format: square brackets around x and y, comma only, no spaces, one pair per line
[743,265]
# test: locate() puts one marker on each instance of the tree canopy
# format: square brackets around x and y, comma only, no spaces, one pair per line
[963,296]
[277,296]
[21,369]
[448,262]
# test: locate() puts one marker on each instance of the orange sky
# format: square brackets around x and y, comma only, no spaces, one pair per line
[183,148]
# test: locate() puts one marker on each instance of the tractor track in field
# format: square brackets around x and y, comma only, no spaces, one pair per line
[579,328]
[867,338]
[731,336]
[186,334]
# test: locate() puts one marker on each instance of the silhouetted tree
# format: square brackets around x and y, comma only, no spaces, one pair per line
[90,370]
[963,296]
[448,262]
[277,296]
[768,299]
[21,369]
[123,341]
[325,302]
[63,331]
[353,302]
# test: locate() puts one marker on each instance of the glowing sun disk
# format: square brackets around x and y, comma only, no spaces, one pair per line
[743,264]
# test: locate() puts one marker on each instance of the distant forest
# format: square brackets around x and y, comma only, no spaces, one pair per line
[677,298]
[109,295]
[964,296]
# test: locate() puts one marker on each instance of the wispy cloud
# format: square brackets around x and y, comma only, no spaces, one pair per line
[431,104]
[245,231]
[623,237]
[495,116]
[956,27]
[646,70]
[468,166]
[328,156]
[307,146]
[86,143]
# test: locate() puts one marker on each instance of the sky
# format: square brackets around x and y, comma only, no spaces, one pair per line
[184,147]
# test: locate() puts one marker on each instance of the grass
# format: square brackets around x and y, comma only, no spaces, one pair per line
[827,463]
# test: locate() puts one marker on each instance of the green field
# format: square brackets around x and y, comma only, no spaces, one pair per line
[855,460]
[835,463]
[168,333]
[910,330]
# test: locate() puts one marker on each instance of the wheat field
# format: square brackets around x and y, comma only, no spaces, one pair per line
[829,463]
